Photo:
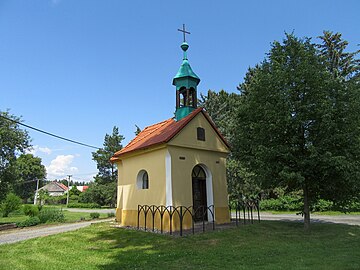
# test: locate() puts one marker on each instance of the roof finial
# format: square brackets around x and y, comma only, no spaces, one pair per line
[184,32]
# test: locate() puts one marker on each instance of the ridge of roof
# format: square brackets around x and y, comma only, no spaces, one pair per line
[163,132]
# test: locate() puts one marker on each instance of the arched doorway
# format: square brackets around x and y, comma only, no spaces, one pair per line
[199,192]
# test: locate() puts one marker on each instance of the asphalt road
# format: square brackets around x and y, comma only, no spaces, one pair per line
[17,235]
[342,219]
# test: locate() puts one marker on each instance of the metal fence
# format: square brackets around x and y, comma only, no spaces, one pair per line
[181,212]
[247,207]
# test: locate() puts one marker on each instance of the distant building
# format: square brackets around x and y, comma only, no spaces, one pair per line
[54,188]
[80,188]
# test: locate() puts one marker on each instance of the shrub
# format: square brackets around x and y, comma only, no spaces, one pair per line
[284,203]
[51,215]
[111,214]
[31,221]
[30,210]
[83,205]
[322,206]
[94,215]
[11,203]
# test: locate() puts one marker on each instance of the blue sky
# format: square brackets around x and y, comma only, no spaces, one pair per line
[78,68]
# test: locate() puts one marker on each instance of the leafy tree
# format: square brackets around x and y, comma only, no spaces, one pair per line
[298,126]
[28,169]
[13,141]
[107,171]
[11,204]
[74,191]
[221,107]
[102,194]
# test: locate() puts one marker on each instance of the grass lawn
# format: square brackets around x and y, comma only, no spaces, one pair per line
[268,245]
[326,213]
[69,217]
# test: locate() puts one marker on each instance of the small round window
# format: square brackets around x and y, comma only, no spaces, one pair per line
[142,181]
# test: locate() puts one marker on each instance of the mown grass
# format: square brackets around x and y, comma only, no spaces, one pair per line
[268,245]
[325,213]
[69,217]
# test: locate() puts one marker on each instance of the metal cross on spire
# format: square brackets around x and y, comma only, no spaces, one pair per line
[184,32]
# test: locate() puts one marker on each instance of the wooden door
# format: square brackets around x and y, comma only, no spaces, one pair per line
[199,193]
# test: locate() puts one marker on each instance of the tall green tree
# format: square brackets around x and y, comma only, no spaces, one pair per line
[298,126]
[28,170]
[107,171]
[13,141]
[342,64]
[222,107]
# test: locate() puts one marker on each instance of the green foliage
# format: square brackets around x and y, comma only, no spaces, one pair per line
[83,205]
[284,203]
[28,169]
[11,203]
[111,214]
[74,191]
[13,141]
[107,171]
[298,125]
[51,215]
[31,210]
[102,194]
[31,221]
[94,215]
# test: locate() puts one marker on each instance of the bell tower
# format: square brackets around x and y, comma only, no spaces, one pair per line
[186,82]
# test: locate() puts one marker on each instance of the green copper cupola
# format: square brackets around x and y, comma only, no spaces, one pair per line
[186,82]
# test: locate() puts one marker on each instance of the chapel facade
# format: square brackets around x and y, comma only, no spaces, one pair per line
[177,162]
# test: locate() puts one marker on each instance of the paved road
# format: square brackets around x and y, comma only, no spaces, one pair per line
[343,219]
[106,210]
[17,235]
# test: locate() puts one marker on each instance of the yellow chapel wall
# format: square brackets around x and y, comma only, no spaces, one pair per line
[186,152]
[129,195]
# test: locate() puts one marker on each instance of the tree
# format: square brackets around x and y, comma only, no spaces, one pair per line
[107,171]
[341,64]
[13,141]
[221,107]
[298,126]
[138,130]
[11,203]
[28,170]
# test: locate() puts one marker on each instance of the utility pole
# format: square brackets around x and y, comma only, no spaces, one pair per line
[36,191]
[67,198]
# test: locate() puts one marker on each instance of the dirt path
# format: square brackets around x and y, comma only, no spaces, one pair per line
[17,235]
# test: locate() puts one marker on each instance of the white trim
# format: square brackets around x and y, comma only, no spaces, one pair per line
[209,190]
[168,195]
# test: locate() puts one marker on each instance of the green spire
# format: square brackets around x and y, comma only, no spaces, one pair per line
[185,76]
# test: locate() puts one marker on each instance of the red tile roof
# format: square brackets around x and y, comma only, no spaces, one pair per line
[162,132]
[61,185]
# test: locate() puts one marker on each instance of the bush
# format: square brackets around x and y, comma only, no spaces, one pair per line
[94,215]
[30,210]
[111,214]
[51,215]
[284,203]
[322,206]
[83,205]
[31,221]
[11,203]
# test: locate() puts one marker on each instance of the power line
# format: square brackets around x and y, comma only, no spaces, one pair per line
[50,134]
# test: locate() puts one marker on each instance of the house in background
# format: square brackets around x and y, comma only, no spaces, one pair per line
[54,189]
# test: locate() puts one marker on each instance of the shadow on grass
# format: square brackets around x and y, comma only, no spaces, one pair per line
[268,245]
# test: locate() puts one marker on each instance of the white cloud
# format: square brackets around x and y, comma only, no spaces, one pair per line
[36,148]
[61,166]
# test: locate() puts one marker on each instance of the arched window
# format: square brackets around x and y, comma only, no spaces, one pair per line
[142,181]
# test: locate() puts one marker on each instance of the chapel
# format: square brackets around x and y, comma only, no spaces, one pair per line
[177,162]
